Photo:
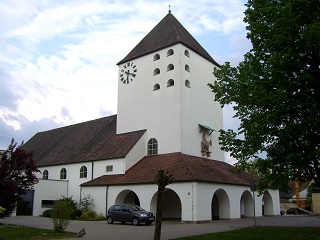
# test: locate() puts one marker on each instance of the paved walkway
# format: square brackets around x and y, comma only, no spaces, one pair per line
[170,230]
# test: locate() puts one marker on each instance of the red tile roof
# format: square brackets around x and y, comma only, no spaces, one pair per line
[169,31]
[87,141]
[185,168]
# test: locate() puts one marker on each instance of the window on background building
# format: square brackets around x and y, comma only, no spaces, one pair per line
[109,168]
[152,146]
[63,173]
[45,174]
[83,172]
[187,68]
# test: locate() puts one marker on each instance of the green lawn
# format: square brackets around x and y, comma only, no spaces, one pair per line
[263,233]
[14,232]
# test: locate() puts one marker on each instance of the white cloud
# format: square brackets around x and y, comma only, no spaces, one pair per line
[59,57]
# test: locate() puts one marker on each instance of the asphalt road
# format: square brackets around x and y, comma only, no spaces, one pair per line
[170,229]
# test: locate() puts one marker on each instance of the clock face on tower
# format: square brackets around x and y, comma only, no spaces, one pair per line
[128,72]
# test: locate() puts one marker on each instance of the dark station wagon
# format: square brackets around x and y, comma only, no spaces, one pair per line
[129,213]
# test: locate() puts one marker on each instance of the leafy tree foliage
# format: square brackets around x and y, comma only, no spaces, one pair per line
[275,93]
[17,175]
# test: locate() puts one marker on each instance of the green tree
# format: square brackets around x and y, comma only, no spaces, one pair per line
[275,93]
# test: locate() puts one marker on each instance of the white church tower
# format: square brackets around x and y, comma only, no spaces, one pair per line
[163,88]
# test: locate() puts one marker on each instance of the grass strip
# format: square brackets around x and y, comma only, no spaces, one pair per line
[263,233]
[15,232]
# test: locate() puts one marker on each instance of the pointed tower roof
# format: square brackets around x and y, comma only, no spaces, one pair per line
[169,31]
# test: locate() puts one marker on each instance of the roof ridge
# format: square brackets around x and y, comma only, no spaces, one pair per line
[187,165]
[175,27]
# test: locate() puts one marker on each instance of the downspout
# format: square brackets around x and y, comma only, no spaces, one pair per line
[80,196]
[107,200]
[192,202]
[92,170]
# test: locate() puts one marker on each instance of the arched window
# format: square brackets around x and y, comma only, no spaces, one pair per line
[187,68]
[152,146]
[45,174]
[186,52]
[215,83]
[170,67]
[83,172]
[170,83]
[170,52]
[187,83]
[156,71]
[156,57]
[156,87]
[63,173]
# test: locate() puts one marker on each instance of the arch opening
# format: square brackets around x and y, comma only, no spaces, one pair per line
[220,205]
[127,197]
[246,205]
[267,205]
[172,208]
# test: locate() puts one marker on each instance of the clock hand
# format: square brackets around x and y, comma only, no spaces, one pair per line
[129,73]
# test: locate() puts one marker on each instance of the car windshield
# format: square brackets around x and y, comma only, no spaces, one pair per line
[135,208]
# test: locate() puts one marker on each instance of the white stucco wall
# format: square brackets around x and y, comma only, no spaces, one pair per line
[48,190]
[139,107]
[194,198]
[198,105]
[171,114]
[137,152]
[73,174]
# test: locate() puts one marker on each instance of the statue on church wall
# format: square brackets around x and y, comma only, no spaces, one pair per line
[205,144]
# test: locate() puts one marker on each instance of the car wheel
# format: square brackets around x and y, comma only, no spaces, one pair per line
[123,222]
[148,223]
[135,221]
[110,220]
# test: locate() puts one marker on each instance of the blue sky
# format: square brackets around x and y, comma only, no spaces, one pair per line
[58,58]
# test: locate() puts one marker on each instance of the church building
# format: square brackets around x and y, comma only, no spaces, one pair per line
[166,119]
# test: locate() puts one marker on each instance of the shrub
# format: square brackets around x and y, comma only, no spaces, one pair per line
[89,216]
[76,214]
[61,215]
[101,217]
[72,202]
[86,202]
[47,213]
